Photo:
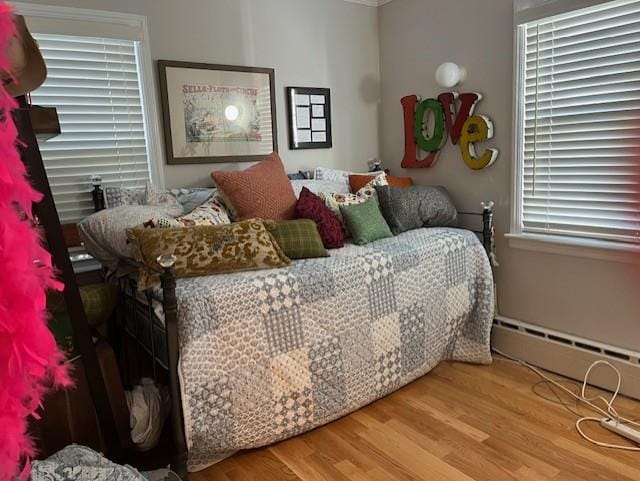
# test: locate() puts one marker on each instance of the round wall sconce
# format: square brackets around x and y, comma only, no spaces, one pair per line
[450,74]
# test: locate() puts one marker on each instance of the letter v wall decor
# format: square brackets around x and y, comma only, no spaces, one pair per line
[452,113]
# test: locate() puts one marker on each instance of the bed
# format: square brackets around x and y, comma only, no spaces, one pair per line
[256,357]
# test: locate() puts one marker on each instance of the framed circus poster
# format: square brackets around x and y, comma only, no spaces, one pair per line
[217,113]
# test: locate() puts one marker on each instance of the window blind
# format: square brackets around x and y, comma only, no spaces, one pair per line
[94,84]
[581,145]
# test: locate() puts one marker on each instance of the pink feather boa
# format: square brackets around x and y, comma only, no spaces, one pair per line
[30,362]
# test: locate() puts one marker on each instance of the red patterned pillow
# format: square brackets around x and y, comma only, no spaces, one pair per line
[310,206]
[263,190]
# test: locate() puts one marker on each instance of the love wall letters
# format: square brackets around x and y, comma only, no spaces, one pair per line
[463,126]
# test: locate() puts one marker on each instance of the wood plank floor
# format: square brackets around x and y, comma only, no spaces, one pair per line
[460,422]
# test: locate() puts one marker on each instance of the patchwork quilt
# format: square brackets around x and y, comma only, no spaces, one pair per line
[266,355]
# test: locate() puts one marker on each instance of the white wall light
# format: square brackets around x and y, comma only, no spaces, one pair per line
[450,74]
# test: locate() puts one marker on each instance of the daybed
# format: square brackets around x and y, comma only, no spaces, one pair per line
[259,356]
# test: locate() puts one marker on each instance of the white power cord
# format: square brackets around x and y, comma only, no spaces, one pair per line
[609,414]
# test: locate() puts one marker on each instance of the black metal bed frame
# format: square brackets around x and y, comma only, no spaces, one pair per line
[168,359]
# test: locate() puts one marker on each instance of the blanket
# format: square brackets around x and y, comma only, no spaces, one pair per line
[266,355]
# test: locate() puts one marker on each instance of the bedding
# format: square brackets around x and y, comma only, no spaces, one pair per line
[266,355]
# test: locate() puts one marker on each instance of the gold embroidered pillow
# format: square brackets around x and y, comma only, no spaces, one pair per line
[204,250]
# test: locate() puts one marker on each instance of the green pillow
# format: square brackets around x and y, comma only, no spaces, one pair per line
[365,221]
[299,239]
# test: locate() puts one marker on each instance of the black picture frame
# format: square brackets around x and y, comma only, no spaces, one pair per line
[163,65]
[309,135]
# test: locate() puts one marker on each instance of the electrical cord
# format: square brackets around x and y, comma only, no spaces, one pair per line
[558,399]
[609,413]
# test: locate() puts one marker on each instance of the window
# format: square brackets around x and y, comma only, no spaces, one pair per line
[578,124]
[95,85]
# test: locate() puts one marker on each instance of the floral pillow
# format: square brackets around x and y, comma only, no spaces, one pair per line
[334,200]
[212,212]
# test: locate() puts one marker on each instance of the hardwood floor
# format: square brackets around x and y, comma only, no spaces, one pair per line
[460,422]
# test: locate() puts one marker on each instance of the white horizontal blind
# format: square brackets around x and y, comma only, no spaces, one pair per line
[94,84]
[581,145]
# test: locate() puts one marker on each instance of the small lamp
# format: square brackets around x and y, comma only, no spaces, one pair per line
[450,74]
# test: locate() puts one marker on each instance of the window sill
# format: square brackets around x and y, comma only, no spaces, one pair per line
[576,246]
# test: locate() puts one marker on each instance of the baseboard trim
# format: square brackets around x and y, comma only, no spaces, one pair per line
[566,354]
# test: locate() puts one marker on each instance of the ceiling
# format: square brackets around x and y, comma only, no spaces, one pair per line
[371,3]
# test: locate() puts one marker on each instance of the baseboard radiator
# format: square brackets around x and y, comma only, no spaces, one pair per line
[566,354]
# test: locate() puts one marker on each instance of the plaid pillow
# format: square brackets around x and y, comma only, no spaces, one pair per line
[299,239]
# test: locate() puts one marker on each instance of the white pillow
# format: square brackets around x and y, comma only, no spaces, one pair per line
[323,173]
[105,233]
[316,186]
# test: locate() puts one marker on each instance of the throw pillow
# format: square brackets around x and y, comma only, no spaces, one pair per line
[263,190]
[324,173]
[365,221]
[299,239]
[316,186]
[358,181]
[190,198]
[204,250]
[212,212]
[334,200]
[399,181]
[118,196]
[164,199]
[310,206]
[407,208]
[104,233]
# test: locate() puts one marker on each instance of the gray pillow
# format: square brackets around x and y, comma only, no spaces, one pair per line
[406,208]
[191,198]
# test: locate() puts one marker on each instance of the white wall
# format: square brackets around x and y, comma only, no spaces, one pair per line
[586,297]
[314,43]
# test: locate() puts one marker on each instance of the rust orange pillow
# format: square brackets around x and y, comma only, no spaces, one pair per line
[399,181]
[263,191]
[358,181]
